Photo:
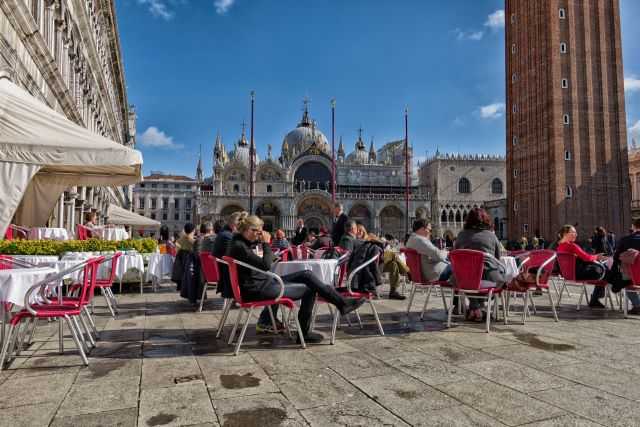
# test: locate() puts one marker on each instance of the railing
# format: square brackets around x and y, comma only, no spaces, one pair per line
[356,196]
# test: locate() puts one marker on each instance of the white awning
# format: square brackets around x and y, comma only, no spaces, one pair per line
[42,153]
[120,216]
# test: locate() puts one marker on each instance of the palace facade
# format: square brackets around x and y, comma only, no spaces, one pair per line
[66,53]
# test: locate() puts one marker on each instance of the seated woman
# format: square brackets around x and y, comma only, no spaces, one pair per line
[587,265]
[91,220]
[248,246]
[478,235]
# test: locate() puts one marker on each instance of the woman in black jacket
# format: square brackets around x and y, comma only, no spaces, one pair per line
[247,246]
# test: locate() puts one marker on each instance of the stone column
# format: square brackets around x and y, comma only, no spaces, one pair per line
[61,211]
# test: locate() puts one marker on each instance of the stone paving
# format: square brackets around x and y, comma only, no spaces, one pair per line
[159,364]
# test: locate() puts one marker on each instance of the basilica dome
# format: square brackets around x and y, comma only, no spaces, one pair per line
[302,137]
[240,151]
[360,156]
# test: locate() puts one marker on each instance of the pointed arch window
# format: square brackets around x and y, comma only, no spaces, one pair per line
[443,217]
[464,186]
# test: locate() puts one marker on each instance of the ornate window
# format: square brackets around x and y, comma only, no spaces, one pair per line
[269,188]
[496,186]
[464,186]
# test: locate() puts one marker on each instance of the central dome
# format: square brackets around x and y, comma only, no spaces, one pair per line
[302,137]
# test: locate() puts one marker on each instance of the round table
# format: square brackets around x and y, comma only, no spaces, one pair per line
[159,266]
[44,233]
[15,283]
[36,259]
[323,269]
[110,233]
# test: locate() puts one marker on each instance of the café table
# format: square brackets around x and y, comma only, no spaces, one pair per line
[159,266]
[511,267]
[130,260]
[48,233]
[110,233]
[43,260]
[323,269]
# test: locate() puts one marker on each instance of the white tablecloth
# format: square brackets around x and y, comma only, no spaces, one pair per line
[37,259]
[511,267]
[15,283]
[323,269]
[126,262]
[110,233]
[160,265]
[43,233]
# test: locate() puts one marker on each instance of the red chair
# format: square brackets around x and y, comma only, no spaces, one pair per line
[171,249]
[8,235]
[53,309]
[539,263]
[248,306]
[416,277]
[634,276]
[348,292]
[467,266]
[105,284]
[6,262]
[82,232]
[209,268]
[567,264]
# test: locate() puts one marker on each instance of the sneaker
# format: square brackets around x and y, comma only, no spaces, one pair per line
[268,329]
[635,311]
[396,295]
[311,338]
[596,304]
[351,304]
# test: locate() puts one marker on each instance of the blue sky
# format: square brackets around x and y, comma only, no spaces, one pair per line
[191,64]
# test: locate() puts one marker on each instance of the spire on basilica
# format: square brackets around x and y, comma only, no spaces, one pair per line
[199,173]
[219,152]
[360,143]
[243,138]
[372,153]
[340,151]
[306,121]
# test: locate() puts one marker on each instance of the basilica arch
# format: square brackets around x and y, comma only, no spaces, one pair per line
[315,209]
[362,215]
[392,221]
[270,213]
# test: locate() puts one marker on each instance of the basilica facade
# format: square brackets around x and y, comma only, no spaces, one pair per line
[296,183]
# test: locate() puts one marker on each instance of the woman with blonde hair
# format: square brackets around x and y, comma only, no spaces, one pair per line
[248,246]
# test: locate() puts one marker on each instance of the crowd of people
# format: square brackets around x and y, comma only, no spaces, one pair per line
[243,238]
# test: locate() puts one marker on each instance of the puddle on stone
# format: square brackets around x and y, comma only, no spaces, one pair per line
[161,419]
[258,417]
[233,381]
[406,394]
[99,370]
[452,355]
[534,341]
[187,379]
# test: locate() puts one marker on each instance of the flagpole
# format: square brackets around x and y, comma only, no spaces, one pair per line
[406,169]
[333,150]
[252,153]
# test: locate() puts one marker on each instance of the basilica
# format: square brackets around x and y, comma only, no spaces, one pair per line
[370,182]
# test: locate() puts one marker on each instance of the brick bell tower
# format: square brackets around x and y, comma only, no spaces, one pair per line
[567,160]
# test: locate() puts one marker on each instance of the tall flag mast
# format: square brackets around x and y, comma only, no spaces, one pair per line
[252,156]
[333,150]
[406,168]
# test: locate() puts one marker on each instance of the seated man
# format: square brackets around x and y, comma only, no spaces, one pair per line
[615,275]
[433,260]
[248,246]
[349,239]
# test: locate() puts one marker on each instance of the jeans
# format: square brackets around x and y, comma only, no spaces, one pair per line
[634,299]
[303,286]
[591,271]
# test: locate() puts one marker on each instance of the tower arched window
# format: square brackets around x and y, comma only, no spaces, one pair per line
[569,192]
[496,186]
[464,186]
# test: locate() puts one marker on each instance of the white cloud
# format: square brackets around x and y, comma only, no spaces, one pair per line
[468,35]
[631,84]
[492,111]
[154,137]
[634,131]
[158,8]
[495,21]
[222,6]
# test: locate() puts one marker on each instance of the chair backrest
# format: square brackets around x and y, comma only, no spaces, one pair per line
[89,277]
[517,252]
[209,267]
[635,272]
[8,235]
[542,260]
[233,278]
[81,232]
[360,267]
[467,266]
[6,262]
[567,264]
[114,268]
[171,249]
[414,263]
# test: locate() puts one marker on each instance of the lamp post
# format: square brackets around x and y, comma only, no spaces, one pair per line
[252,153]
[333,150]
